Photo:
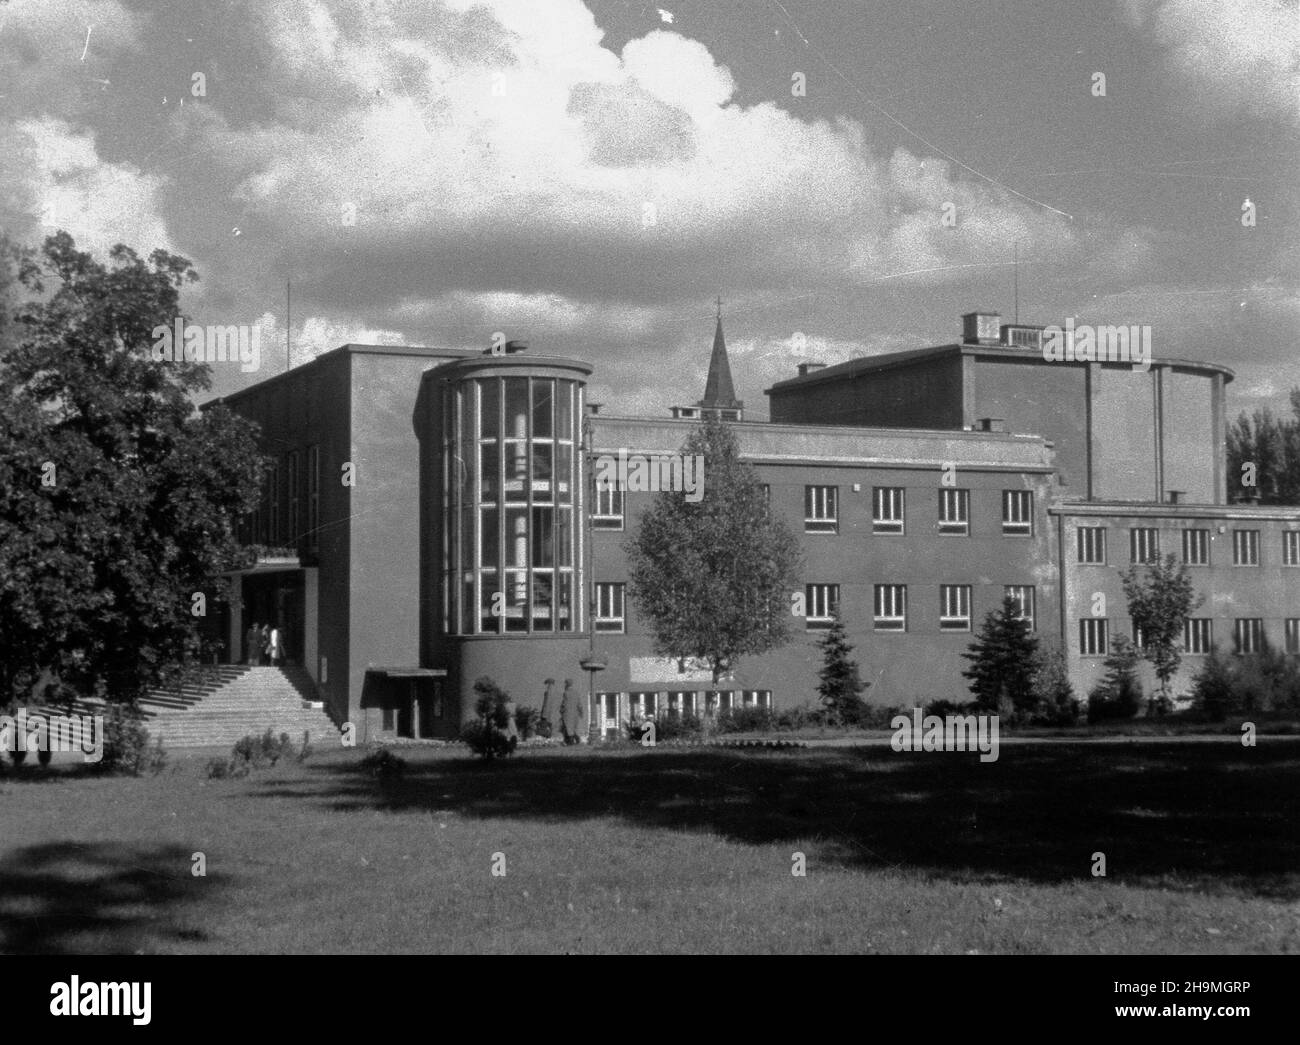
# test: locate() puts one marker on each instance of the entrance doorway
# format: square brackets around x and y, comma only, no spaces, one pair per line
[278,599]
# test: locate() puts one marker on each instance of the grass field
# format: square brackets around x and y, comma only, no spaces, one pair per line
[633,850]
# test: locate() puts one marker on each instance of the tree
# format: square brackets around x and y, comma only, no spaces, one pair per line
[1159,604]
[118,501]
[840,684]
[1119,693]
[1057,705]
[712,576]
[1271,446]
[1003,659]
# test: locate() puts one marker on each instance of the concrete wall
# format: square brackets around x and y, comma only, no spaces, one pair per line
[1124,434]
[1191,437]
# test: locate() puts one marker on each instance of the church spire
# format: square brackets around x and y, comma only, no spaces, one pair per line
[719,391]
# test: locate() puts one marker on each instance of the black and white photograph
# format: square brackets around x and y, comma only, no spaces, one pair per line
[582,477]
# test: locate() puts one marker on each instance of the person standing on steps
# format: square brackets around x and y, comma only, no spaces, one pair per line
[545,727]
[253,645]
[276,648]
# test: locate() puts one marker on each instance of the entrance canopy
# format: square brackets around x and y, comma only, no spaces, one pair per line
[409,673]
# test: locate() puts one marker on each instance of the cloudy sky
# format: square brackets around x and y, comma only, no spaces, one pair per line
[587,176]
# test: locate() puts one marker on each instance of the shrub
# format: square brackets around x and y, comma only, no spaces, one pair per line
[794,718]
[1119,694]
[676,726]
[746,720]
[878,716]
[527,721]
[488,736]
[126,742]
[384,766]
[305,752]
[944,708]
[1057,705]
[840,683]
[1258,682]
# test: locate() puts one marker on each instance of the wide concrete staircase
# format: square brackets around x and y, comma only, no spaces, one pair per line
[231,701]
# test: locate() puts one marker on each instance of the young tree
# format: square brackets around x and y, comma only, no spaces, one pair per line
[118,502]
[1159,604]
[841,683]
[1057,705]
[1002,660]
[712,576]
[1119,693]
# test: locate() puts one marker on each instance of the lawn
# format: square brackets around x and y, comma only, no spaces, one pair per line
[678,850]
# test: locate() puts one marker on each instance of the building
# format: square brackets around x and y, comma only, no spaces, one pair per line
[431,518]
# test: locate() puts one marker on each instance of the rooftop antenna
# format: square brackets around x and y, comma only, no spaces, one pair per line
[719,307]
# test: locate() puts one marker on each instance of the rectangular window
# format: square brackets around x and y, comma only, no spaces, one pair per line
[1092,545]
[1198,635]
[887,509]
[1293,634]
[295,517]
[1139,640]
[954,511]
[823,602]
[954,607]
[1196,547]
[1093,636]
[821,509]
[1291,548]
[608,513]
[609,606]
[1143,544]
[1248,634]
[313,496]
[1023,594]
[891,607]
[1017,512]
[1245,547]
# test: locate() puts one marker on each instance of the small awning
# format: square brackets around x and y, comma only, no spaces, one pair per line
[409,673]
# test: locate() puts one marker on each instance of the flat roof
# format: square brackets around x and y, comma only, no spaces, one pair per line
[863,364]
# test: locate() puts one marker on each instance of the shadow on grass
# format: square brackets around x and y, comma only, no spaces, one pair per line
[1204,816]
[68,898]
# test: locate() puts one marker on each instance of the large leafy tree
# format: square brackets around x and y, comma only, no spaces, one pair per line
[118,500]
[1003,660]
[1271,446]
[1160,599]
[713,576]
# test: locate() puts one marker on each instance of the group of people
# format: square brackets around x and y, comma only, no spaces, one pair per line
[572,711]
[264,645]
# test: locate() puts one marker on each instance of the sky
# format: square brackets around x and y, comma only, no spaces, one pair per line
[848,176]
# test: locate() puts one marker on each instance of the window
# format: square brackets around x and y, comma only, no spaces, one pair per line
[1198,635]
[1139,640]
[1093,636]
[1291,548]
[887,509]
[954,607]
[891,607]
[1017,512]
[608,514]
[1248,634]
[609,606]
[1245,547]
[1023,594]
[390,719]
[1092,545]
[1196,547]
[757,698]
[295,520]
[1293,634]
[1143,544]
[823,602]
[954,511]
[821,509]
[313,495]
[643,704]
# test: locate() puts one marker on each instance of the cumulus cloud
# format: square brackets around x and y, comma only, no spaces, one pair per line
[1245,55]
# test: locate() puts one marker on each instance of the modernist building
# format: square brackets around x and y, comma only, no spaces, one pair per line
[431,518]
